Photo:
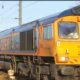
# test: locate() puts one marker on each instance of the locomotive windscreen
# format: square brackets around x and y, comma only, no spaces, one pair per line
[68,30]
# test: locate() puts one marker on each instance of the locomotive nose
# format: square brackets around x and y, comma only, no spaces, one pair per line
[68,52]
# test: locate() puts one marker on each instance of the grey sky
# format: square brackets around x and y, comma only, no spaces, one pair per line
[31,10]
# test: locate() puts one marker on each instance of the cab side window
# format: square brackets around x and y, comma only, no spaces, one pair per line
[47,32]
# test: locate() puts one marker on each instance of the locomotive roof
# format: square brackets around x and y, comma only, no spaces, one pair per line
[45,20]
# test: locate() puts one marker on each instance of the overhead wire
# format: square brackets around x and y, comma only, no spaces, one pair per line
[13,7]
[31,4]
[5,12]
[8,10]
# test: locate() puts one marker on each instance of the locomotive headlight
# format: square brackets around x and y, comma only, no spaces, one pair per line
[64,59]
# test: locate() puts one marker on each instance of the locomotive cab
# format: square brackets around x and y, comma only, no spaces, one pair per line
[67,40]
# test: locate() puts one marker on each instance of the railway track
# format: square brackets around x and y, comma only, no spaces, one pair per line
[4,76]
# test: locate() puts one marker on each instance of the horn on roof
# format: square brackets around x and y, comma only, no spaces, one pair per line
[76,10]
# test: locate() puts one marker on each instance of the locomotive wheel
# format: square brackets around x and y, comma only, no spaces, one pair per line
[55,73]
